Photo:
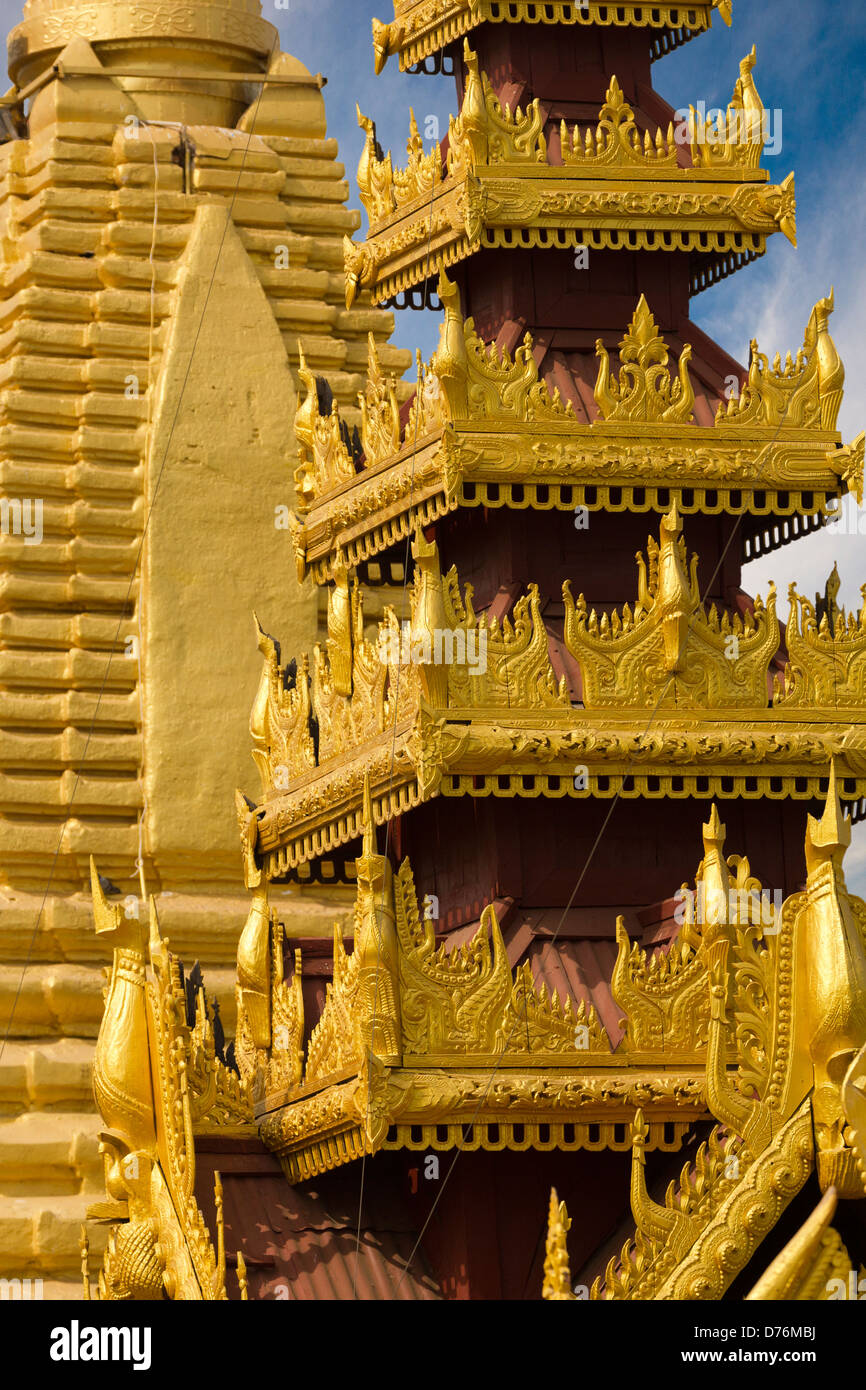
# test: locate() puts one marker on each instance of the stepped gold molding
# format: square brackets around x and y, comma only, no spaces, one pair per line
[671,650]
[423,27]
[612,188]
[473,439]
[155,1078]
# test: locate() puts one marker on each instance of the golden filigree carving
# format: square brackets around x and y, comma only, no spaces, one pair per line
[826,665]
[485,132]
[648,1257]
[380,411]
[805,393]
[280,717]
[644,389]
[737,140]
[362,1004]
[667,1224]
[616,141]
[751,1209]
[671,650]
[324,456]
[831,981]
[811,1263]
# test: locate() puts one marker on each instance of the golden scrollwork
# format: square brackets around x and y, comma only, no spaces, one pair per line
[324,456]
[644,389]
[611,188]
[805,392]
[616,140]
[826,664]
[671,650]
[739,137]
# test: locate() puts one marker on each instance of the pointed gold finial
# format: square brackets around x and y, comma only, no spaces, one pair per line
[714,831]
[107,916]
[557,1276]
[369,848]
[828,838]
[242,1278]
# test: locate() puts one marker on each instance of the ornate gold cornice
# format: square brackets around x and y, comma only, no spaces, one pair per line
[423,27]
[485,431]
[612,189]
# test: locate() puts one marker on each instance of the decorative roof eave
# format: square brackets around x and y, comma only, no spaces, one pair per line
[341,1122]
[451,704]
[545,207]
[483,424]
[764,754]
[605,466]
[413,1036]
[421,27]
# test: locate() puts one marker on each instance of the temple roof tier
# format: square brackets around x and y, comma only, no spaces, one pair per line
[422,28]
[507,179]
[449,703]
[635,439]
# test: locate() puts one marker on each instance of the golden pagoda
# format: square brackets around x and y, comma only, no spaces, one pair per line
[539,1004]
[171,251]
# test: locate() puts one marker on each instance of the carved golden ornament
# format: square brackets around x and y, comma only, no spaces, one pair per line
[269,1058]
[806,393]
[616,140]
[613,188]
[280,717]
[557,1277]
[826,664]
[671,650]
[380,411]
[644,389]
[736,141]
[323,445]
[423,27]
[146,1050]
[811,1263]
[751,1209]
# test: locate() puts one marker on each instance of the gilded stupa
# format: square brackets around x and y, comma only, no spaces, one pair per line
[540,1013]
[165,268]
